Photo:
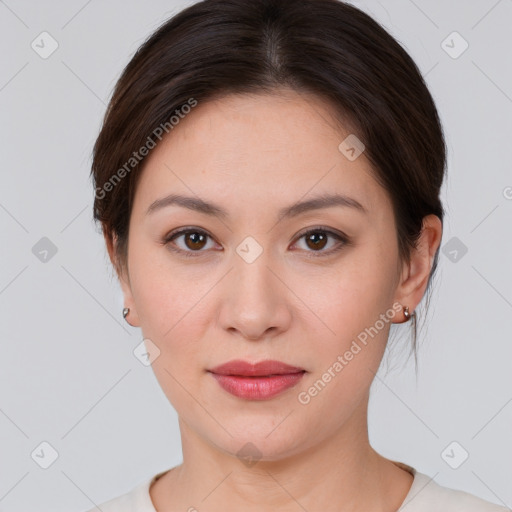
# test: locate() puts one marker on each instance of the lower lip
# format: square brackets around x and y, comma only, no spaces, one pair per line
[257,388]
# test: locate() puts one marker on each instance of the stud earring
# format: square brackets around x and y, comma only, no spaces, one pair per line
[125,312]
[407,314]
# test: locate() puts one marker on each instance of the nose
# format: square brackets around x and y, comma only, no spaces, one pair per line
[255,302]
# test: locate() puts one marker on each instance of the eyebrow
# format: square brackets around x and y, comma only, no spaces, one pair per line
[208,208]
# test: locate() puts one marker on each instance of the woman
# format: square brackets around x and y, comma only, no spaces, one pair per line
[267,179]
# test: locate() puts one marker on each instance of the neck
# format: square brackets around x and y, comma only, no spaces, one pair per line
[342,472]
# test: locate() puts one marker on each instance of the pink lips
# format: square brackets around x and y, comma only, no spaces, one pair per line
[259,381]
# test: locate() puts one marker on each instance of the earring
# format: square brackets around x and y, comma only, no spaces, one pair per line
[125,312]
[407,314]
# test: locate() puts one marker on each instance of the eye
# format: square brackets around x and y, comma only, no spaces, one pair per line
[317,239]
[194,241]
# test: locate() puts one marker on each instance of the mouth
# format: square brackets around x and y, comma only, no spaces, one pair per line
[256,381]
[265,368]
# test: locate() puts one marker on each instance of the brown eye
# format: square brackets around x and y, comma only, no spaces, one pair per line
[194,240]
[316,240]
[193,243]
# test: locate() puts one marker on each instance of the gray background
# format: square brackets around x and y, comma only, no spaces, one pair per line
[68,375]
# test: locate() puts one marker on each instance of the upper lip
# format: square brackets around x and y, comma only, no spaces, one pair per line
[262,368]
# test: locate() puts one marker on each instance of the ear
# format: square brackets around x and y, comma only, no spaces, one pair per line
[414,279]
[124,279]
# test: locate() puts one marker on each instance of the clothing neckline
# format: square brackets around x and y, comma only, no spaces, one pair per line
[419,481]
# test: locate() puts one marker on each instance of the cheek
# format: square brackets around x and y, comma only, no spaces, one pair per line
[155,297]
[352,296]
[162,298]
[344,364]
[169,319]
[350,303]
[172,312]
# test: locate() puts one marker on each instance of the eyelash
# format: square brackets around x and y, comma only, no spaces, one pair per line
[345,241]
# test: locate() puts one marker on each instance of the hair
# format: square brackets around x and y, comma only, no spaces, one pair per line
[325,47]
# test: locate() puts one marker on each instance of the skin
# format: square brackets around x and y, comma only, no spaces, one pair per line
[252,155]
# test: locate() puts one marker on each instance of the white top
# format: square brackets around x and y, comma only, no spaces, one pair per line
[425,495]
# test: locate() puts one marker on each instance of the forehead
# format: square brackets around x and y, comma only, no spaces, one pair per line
[284,120]
[262,147]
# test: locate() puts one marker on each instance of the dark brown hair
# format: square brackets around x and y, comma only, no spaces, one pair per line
[325,47]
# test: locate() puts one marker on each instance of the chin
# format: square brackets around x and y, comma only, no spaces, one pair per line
[263,442]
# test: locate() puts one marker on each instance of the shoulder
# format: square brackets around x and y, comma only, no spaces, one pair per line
[427,495]
[136,500]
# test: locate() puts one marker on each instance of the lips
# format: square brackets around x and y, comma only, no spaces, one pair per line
[260,369]
[256,381]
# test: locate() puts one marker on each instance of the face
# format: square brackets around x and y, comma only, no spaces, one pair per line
[250,284]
